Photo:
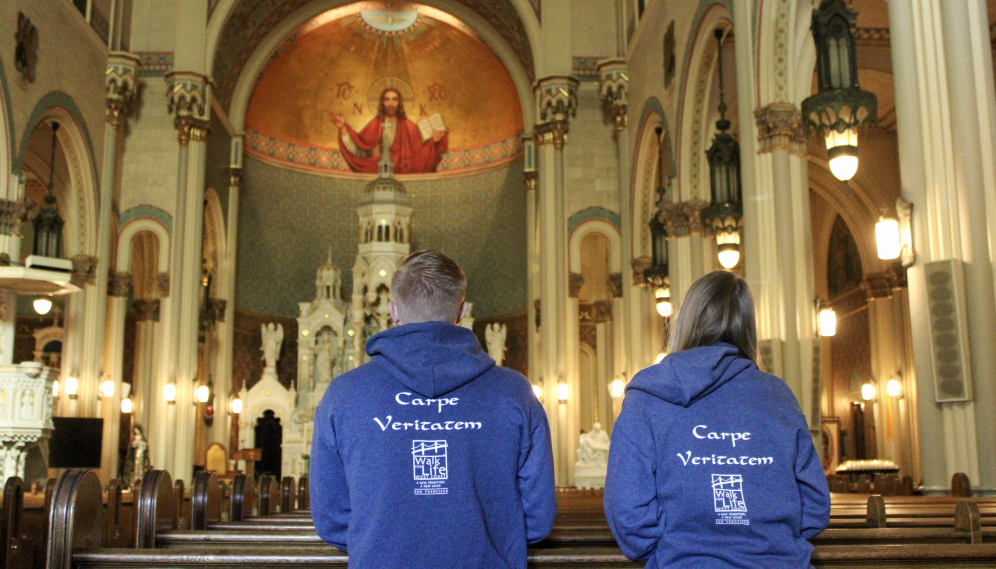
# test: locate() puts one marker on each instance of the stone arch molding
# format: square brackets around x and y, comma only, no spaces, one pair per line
[604,228]
[126,236]
[81,223]
[256,62]
[7,185]
[695,127]
[644,174]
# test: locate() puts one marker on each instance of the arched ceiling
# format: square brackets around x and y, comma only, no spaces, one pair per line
[251,20]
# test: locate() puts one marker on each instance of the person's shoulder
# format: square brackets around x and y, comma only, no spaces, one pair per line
[351,382]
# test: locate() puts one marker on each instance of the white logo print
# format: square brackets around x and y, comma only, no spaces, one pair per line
[728,499]
[430,467]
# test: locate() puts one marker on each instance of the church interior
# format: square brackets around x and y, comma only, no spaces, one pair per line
[202,204]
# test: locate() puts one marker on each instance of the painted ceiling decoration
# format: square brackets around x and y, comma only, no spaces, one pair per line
[251,20]
[317,106]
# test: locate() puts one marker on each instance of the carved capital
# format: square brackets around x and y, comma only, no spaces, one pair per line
[613,86]
[557,103]
[118,284]
[531,178]
[84,270]
[216,309]
[162,282]
[188,100]
[615,285]
[882,285]
[597,312]
[235,177]
[12,215]
[574,282]
[553,132]
[684,218]
[639,265]
[779,127]
[146,310]
[120,81]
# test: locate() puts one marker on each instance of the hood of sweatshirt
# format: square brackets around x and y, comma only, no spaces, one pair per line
[430,358]
[683,378]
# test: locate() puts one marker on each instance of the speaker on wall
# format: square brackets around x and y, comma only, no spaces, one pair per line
[948,330]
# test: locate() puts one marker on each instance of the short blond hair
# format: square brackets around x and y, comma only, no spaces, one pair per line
[428,286]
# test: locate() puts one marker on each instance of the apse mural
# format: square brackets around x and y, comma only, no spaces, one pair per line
[377,77]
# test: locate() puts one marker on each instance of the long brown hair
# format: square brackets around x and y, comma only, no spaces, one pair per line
[718,308]
[382,111]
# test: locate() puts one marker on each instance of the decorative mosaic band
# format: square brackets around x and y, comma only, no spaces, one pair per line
[155,63]
[309,156]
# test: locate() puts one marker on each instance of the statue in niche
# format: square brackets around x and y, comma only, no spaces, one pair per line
[594,450]
[27,404]
[324,358]
[273,337]
[137,462]
[414,148]
[494,337]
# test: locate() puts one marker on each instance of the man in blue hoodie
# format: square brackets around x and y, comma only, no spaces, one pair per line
[430,455]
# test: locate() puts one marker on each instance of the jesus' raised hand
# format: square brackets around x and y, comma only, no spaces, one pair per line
[338,119]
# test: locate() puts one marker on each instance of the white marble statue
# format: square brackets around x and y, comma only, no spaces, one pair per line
[594,450]
[494,337]
[273,337]
[324,358]
[137,461]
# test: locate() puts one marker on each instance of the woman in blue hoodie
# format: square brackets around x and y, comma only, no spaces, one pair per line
[712,463]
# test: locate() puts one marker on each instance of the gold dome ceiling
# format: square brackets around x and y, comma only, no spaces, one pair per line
[342,60]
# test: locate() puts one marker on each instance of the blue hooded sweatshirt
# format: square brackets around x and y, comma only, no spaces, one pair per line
[712,465]
[431,456]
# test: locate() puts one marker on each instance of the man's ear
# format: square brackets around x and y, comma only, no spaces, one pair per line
[464,309]
[392,309]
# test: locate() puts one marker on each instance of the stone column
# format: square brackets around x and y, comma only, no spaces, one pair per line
[530,177]
[226,330]
[188,97]
[946,110]
[556,99]
[12,213]
[118,290]
[613,88]
[779,254]
[119,80]
[144,394]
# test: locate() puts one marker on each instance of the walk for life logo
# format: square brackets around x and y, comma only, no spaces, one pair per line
[430,467]
[728,498]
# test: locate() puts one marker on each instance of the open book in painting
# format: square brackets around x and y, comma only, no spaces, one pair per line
[428,125]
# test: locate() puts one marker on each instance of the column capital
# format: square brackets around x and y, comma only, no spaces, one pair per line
[613,86]
[574,283]
[188,97]
[146,309]
[235,177]
[84,270]
[557,103]
[531,179]
[683,218]
[118,284]
[779,127]
[120,81]
[12,215]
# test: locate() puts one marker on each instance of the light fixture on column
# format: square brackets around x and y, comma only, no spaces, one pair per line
[827,319]
[42,305]
[617,388]
[55,388]
[203,394]
[660,357]
[71,386]
[126,406]
[894,388]
[563,391]
[724,216]
[657,274]
[868,391]
[47,223]
[107,388]
[887,238]
[840,107]
[663,296]
[169,393]
[235,405]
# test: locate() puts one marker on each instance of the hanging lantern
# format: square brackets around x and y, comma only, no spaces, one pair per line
[840,107]
[47,223]
[724,215]
[657,274]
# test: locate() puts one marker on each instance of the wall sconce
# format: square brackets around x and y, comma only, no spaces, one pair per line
[894,388]
[55,388]
[617,388]
[203,394]
[562,392]
[826,320]
[107,388]
[71,386]
[169,393]
[235,405]
[43,304]
[126,406]
[887,238]
[894,237]
[868,391]
[538,391]
[660,357]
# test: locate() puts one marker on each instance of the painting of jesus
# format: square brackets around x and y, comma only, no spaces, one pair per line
[412,151]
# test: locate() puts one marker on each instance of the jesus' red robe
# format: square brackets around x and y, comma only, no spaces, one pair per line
[409,153]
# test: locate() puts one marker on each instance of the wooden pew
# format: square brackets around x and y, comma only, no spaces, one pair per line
[205,501]
[304,493]
[243,498]
[16,551]
[269,495]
